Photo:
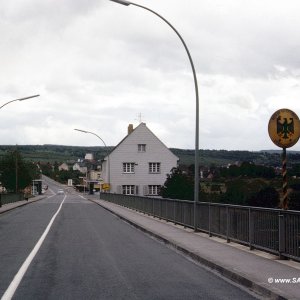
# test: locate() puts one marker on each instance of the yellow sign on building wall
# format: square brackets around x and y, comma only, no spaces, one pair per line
[284,128]
[105,186]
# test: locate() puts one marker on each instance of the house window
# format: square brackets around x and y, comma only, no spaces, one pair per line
[141,147]
[154,167]
[128,167]
[128,189]
[153,190]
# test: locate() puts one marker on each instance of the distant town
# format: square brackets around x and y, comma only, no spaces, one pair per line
[142,165]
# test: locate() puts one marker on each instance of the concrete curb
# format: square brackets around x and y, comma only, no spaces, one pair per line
[4,209]
[223,271]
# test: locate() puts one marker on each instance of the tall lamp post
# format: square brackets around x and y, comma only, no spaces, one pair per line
[19,99]
[108,162]
[196,184]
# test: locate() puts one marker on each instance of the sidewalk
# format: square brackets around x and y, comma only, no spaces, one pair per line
[10,206]
[252,269]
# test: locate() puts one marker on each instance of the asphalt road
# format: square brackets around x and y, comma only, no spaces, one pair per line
[89,253]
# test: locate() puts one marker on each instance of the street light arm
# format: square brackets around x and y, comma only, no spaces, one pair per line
[8,103]
[20,99]
[91,133]
[196,184]
[196,192]
[97,137]
[107,152]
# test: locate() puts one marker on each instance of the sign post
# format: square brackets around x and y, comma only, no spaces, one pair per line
[284,131]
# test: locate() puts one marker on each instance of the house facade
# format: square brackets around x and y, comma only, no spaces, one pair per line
[63,167]
[81,167]
[139,164]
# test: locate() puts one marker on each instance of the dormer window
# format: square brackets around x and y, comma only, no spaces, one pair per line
[141,147]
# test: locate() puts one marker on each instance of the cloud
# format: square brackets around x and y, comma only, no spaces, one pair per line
[97,65]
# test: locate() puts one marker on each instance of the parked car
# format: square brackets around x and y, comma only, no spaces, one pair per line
[60,191]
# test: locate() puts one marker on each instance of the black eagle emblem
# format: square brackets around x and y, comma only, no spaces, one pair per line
[284,128]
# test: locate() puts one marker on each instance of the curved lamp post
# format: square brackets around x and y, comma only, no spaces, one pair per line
[196,184]
[20,99]
[108,163]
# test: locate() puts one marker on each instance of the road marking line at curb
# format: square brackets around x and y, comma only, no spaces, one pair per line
[18,277]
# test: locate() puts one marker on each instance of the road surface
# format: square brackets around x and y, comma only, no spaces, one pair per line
[89,253]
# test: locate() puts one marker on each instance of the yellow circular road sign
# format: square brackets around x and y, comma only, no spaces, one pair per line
[284,128]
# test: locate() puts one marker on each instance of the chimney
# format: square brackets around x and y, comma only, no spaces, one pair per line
[130,128]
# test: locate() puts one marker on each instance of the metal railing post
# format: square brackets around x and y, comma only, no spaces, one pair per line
[281,238]
[209,220]
[227,224]
[174,212]
[251,230]
[160,208]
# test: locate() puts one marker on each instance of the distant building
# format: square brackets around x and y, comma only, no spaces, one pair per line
[64,167]
[81,167]
[139,164]
[89,156]
[94,175]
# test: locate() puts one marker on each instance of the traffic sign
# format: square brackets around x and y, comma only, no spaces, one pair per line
[284,128]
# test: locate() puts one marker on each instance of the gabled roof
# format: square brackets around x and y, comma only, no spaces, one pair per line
[144,125]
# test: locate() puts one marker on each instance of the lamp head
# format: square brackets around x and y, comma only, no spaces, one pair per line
[123,2]
[81,130]
[25,98]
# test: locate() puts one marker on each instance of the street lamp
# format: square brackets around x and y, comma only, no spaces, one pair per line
[20,99]
[108,162]
[196,184]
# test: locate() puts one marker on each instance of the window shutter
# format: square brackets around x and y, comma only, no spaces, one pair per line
[119,189]
[136,189]
[146,190]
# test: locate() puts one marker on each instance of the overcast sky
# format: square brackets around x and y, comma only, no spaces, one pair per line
[97,65]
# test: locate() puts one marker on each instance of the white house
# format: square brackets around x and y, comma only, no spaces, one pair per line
[139,164]
[63,167]
[81,167]
[89,156]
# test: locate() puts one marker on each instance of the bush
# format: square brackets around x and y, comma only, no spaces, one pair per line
[266,197]
[178,186]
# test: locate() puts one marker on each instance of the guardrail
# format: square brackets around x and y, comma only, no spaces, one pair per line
[10,198]
[272,230]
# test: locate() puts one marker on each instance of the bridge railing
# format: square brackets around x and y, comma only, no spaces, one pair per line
[10,198]
[272,230]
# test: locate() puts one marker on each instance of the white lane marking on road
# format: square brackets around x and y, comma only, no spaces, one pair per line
[18,277]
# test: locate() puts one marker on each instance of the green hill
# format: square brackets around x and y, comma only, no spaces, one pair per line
[61,153]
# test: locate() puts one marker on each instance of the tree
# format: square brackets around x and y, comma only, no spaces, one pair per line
[240,190]
[248,169]
[237,192]
[47,169]
[63,176]
[294,196]
[16,173]
[294,200]
[266,197]
[178,186]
